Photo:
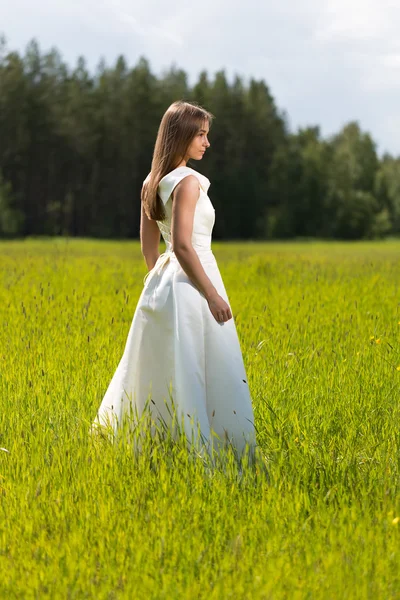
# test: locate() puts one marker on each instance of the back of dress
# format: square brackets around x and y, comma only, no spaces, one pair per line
[204,216]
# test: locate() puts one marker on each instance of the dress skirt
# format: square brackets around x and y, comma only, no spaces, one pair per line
[179,360]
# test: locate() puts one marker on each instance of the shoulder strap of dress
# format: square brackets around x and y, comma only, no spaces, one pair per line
[171,180]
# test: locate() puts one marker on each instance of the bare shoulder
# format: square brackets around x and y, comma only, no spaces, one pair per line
[188,186]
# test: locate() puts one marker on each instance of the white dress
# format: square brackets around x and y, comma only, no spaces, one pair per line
[177,352]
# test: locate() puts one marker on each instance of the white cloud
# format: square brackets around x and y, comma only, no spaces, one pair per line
[365,34]
[355,20]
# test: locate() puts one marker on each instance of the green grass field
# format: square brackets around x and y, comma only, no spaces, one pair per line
[319,326]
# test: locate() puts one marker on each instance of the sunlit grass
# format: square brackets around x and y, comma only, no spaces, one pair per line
[319,327]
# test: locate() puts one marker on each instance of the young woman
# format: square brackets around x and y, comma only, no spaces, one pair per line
[182,349]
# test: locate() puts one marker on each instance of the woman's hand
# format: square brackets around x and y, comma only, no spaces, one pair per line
[219,308]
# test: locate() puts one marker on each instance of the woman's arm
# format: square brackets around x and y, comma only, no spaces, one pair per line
[149,239]
[185,198]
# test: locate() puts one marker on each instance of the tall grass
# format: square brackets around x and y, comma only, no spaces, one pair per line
[319,327]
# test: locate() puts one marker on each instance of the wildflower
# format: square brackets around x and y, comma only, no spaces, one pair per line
[396,520]
[378,341]
[398,368]
[372,337]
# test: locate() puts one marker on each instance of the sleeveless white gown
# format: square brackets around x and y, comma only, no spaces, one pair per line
[175,347]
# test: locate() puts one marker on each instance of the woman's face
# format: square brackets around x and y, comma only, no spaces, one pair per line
[199,143]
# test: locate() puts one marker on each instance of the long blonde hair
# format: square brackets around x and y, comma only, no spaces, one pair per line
[179,124]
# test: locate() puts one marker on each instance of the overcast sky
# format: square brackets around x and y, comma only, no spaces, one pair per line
[326,62]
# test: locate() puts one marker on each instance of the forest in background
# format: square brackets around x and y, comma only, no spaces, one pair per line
[75,148]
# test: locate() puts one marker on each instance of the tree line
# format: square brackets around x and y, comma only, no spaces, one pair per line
[75,148]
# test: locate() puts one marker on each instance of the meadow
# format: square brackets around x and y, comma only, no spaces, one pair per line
[319,327]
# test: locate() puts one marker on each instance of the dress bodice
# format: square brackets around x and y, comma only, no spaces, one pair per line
[204,216]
